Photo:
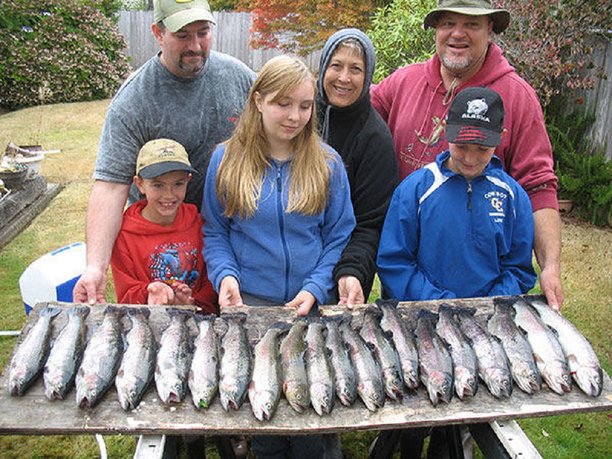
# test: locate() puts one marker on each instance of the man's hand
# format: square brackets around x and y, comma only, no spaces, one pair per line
[547,247]
[90,287]
[229,293]
[550,284]
[160,293]
[303,302]
[350,291]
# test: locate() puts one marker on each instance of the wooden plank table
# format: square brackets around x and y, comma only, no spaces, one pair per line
[33,414]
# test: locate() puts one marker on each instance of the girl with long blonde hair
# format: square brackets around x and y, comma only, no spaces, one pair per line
[277,205]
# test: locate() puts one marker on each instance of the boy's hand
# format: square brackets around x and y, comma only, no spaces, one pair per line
[229,293]
[160,293]
[302,302]
[182,294]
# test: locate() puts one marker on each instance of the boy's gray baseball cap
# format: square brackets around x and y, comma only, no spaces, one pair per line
[176,14]
[476,116]
[499,16]
[160,156]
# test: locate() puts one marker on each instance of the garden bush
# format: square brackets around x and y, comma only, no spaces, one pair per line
[55,51]
[398,35]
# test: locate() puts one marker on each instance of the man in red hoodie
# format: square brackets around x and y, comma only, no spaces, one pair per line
[415,99]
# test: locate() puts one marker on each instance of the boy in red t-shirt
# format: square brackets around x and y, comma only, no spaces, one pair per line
[157,257]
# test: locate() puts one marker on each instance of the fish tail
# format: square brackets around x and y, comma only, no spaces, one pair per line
[79,311]
[389,303]
[50,311]
[426,314]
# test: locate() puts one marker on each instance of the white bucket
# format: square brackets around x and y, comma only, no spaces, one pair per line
[53,276]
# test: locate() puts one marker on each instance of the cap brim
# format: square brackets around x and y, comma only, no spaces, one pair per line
[456,133]
[177,21]
[500,17]
[155,170]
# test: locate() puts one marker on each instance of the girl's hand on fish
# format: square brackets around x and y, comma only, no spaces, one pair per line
[229,293]
[182,294]
[302,302]
[350,291]
[160,293]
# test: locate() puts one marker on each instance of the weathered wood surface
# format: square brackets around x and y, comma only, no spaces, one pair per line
[34,414]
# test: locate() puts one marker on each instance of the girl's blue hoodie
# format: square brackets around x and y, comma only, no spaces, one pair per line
[275,254]
[447,237]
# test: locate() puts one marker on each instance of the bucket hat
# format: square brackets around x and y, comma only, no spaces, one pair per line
[499,16]
[176,14]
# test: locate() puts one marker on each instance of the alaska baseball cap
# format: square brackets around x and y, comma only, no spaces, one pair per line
[160,156]
[176,14]
[499,16]
[476,116]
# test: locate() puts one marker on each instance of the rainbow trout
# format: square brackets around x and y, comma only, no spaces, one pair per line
[236,362]
[318,369]
[522,364]
[66,353]
[583,363]
[547,351]
[101,359]
[493,365]
[370,387]
[345,382]
[173,358]
[384,351]
[138,361]
[393,324]
[265,387]
[465,367]
[435,362]
[295,379]
[203,377]
[29,358]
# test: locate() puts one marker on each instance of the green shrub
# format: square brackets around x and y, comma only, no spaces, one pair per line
[585,175]
[398,35]
[55,51]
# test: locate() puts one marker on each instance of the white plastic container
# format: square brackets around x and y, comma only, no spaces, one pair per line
[53,276]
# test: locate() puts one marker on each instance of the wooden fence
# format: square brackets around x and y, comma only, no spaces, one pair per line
[231,36]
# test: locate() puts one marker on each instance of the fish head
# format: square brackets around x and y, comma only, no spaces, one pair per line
[16,382]
[557,376]
[439,387]
[171,390]
[499,382]
[393,384]
[264,405]
[372,395]
[297,395]
[321,398]
[589,379]
[466,384]
[527,378]
[86,398]
[346,393]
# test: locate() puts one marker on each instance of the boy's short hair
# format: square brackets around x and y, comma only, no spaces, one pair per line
[160,156]
[476,116]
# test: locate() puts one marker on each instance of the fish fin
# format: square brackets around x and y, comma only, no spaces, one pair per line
[392,303]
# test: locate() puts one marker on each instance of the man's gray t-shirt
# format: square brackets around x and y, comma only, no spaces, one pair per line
[153,103]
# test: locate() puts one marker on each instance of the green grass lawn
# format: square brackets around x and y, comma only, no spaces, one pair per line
[75,129]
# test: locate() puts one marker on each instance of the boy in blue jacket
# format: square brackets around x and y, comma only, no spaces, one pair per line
[460,227]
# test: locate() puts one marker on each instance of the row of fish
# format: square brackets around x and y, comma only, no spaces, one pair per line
[311,361]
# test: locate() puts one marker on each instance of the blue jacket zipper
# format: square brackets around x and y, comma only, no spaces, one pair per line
[281,219]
